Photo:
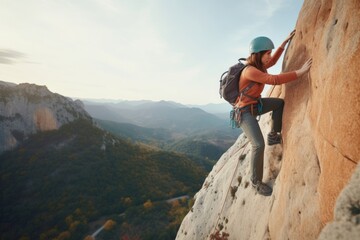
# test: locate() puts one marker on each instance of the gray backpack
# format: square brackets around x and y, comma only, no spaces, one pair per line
[229,83]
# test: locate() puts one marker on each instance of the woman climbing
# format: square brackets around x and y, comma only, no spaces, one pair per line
[250,104]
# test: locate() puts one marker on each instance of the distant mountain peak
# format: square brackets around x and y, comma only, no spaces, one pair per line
[28,108]
[7,84]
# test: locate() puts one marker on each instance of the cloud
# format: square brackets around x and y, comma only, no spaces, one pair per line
[9,56]
[272,7]
[108,5]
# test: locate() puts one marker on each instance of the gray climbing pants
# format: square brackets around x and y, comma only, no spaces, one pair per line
[252,130]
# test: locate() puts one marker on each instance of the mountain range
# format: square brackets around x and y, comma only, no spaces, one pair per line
[161,114]
[168,125]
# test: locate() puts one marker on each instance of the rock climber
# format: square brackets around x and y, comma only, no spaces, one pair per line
[252,104]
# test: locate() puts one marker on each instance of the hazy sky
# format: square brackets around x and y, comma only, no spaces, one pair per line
[135,49]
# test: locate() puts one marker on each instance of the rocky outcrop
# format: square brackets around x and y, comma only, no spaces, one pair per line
[346,224]
[27,108]
[320,150]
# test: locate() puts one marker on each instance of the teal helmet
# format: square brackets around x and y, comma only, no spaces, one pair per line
[261,44]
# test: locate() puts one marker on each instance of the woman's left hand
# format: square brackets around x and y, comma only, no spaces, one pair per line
[291,35]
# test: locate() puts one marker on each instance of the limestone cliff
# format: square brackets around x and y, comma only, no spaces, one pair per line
[27,108]
[320,150]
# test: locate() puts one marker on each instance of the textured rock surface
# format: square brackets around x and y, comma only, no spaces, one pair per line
[346,224]
[27,108]
[321,142]
[327,31]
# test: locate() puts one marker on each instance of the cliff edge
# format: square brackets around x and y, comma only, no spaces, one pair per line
[310,173]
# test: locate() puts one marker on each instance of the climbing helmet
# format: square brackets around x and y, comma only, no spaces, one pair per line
[260,44]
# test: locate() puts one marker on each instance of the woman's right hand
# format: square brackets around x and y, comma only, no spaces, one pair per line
[305,68]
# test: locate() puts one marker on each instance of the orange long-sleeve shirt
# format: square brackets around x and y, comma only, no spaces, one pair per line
[251,73]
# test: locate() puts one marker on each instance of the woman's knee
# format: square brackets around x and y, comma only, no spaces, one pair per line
[282,102]
[258,145]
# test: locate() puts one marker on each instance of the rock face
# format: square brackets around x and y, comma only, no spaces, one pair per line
[346,224]
[27,108]
[328,31]
[320,150]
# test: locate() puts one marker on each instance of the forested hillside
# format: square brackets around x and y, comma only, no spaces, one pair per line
[59,182]
[204,147]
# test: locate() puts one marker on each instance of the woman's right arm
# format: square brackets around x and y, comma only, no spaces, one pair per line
[256,75]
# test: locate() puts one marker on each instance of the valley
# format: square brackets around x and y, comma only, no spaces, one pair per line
[64,167]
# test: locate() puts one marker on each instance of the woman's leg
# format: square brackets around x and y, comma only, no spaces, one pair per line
[277,106]
[251,128]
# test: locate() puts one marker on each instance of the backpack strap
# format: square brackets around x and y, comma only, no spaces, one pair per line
[245,90]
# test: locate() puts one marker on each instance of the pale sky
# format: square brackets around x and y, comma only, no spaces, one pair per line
[135,49]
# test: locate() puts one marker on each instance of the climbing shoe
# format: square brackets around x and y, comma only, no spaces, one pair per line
[274,138]
[262,188]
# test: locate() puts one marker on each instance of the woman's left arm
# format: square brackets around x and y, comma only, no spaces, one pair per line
[275,57]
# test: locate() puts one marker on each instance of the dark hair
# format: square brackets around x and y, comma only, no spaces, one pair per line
[255,60]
